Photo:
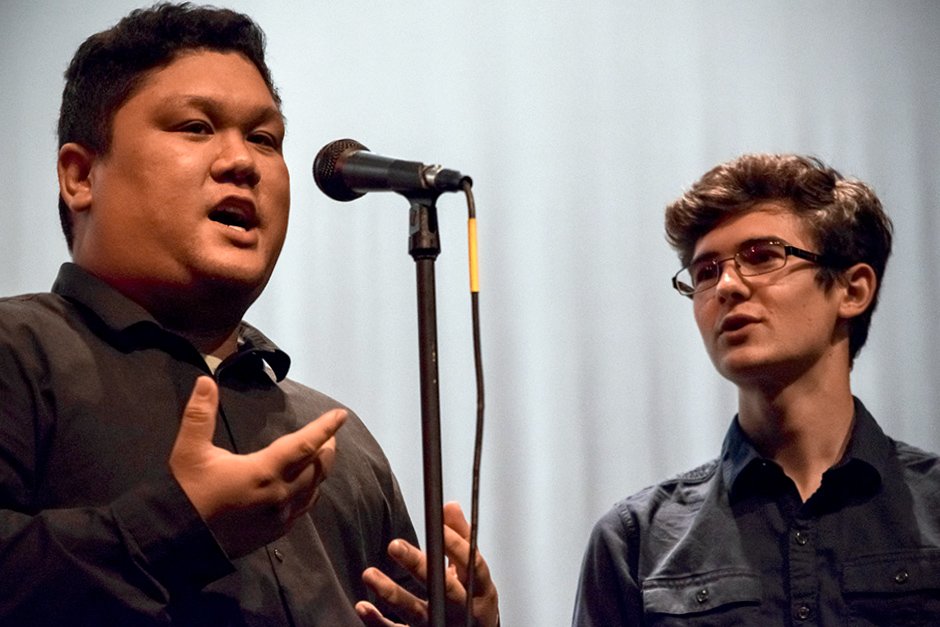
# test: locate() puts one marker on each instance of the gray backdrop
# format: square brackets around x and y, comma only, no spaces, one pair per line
[578,122]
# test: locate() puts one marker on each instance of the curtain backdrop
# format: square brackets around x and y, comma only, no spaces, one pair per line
[578,122]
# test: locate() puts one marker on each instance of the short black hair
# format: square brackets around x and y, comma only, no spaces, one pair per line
[109,66]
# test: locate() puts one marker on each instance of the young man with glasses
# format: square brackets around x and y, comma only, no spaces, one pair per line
[811,514]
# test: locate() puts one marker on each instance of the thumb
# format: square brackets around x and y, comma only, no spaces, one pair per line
[197,425]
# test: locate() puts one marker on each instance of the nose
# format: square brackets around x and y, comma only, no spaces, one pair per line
[730,281]
[235,162]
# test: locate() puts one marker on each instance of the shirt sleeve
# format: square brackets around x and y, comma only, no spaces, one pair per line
[608,594]
[61,566]
[85,563]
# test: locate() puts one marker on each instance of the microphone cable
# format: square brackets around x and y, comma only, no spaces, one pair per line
[369,172]
[478,363]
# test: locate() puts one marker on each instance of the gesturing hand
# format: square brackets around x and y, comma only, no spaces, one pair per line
[249,500]
[485,604]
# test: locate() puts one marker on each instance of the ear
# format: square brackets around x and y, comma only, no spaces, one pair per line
[74,169]
[858,284]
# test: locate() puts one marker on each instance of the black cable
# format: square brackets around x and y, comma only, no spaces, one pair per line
[478,362]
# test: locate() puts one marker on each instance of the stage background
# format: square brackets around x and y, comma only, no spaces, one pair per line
[578,122]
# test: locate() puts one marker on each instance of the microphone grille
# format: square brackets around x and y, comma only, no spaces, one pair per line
[328,178]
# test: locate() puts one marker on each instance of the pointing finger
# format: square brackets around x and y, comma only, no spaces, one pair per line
[296,451]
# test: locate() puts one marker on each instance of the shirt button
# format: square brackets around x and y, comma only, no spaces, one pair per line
[801,538]
[901,576]
[702,596]
[278,555]
[803,612]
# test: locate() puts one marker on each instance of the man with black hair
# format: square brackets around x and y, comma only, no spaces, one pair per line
[811,515]
[156,465]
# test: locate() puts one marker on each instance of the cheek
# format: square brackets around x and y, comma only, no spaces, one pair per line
[153,183]
[277,193]
[810,320]
[280,181]
[180,170]
[704,317]
[280,197]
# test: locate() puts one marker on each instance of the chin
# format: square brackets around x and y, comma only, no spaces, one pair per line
[741,365]
[765,373]
[233,281]
[242,281]
[251,269]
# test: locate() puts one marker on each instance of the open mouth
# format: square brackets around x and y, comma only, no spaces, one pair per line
[734,323]
[238,218]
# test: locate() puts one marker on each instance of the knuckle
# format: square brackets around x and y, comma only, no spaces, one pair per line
[307,449]
[279,493]
[266,481]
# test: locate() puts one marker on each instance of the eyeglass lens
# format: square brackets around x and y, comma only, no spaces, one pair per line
[753,259]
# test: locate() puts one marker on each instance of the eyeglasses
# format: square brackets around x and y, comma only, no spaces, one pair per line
[752,259]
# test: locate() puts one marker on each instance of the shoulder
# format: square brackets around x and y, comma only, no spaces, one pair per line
[920,468]
[917,459]
[638,534]
[687,490]
[676,497]
[30,310]
[37,323]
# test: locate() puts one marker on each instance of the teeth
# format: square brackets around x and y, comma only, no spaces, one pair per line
[230,217]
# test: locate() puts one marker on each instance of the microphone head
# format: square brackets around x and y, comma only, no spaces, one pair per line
[326,174]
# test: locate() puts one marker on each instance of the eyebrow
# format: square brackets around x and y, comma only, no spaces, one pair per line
[257,114]
[710,255]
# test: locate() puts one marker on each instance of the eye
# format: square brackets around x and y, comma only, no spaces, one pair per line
[265,139]
[196,127]
[703,272]
[762,255]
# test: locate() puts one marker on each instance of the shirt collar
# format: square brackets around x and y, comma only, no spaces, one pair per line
[253,341]
[116,311]
[129,324]
[862,467]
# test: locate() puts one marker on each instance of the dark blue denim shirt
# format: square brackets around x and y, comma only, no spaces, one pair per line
[732,543]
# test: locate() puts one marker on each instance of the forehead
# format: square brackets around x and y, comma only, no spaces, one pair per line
[225,77]
[765,220]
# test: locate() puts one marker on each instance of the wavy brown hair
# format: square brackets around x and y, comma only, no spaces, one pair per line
[844,216]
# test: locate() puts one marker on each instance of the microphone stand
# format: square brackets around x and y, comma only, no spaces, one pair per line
[424,246]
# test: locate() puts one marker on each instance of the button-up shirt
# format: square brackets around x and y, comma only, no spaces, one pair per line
[93,528]
[732,543]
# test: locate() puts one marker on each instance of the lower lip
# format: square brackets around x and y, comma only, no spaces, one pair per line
[737,332]
[239,236]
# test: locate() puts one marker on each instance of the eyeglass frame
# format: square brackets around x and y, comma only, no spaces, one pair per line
[788,251]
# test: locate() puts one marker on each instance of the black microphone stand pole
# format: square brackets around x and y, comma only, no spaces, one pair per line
[424,246]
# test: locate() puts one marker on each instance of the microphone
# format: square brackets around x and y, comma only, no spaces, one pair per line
[345,170]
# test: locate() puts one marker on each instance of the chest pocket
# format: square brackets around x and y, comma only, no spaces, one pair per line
[901,588]
[729,597]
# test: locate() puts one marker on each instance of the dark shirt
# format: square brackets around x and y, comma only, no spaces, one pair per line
[732,543]
[93,528]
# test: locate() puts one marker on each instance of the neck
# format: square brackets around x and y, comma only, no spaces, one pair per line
[218,344]
[208,318]
[804,426]
[212,330]
[205,311]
